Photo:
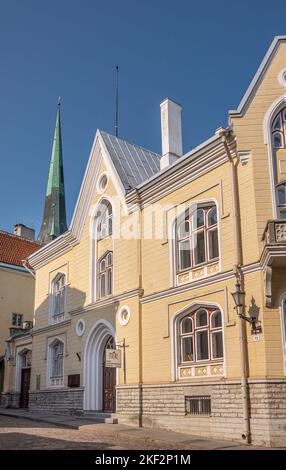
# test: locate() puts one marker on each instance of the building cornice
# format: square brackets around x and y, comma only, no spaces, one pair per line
[99,304]
[216,278]
[47,328]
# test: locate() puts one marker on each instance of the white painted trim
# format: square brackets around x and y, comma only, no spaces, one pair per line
[258,76]
[282,77]
[51,297]
[93,359]
[123,321]
[275,107]
[50,343]
[99,179]
[77,327]
[172,237]
[93,281]
[174,340]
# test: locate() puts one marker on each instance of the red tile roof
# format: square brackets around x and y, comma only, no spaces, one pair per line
[14,249]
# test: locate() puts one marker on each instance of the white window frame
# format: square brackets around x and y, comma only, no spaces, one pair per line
[196,329]
[193,231]
[55,381]
[108,267]
[57,317]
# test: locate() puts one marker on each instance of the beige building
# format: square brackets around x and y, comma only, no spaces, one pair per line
[17,287]
[156,248]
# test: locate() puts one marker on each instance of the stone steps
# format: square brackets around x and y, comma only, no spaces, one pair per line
[100,417]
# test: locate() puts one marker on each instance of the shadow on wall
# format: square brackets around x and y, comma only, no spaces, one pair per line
[74,300]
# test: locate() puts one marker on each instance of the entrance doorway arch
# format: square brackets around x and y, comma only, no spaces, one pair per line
[94,362]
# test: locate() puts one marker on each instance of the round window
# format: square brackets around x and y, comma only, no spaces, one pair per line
[282,77]
[102,183]
[80,327]
[124,315]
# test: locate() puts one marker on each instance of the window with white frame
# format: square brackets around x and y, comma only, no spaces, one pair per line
[200,336]
[58,297]
[197,237]
[105,275]
[278,129]
[104,220]
[56,363]
[281,200]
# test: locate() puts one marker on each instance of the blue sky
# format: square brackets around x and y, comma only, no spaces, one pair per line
[202,54]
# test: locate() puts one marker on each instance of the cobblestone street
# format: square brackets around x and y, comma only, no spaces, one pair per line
[18,433]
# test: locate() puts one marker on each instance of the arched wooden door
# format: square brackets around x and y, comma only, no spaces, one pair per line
[109,381]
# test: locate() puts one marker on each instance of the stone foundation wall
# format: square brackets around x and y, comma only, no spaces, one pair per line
[63,401]
[10,400]
[164,406]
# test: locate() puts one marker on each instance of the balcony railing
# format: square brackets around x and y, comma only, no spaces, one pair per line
[275,232]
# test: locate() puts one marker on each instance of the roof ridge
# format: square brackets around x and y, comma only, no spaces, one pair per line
[13,235]
[131,143]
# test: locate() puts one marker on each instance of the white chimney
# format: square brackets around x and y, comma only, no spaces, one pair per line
[24,232]
[171,130]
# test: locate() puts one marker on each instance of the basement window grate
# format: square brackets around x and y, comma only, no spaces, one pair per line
[198,405]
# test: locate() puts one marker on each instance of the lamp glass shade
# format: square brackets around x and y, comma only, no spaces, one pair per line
[238,296]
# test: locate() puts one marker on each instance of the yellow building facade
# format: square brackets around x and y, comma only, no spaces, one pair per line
[156,248]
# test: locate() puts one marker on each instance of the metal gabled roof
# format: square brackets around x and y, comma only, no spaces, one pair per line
[133,164]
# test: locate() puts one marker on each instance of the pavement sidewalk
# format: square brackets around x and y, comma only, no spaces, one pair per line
[155,436]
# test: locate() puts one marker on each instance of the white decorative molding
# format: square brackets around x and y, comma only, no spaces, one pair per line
[93,360]
[244,156]
[282,77]
[124,315]
[80,327]
[102,182]
[243,105]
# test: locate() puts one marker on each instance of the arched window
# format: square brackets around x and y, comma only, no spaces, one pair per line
[105,270]
[281,200]
[197,237]
[104,220]
[58,296]
[278,129]
[56,363]
[200,336]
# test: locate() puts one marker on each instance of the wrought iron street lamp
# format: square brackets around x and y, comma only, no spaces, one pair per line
[239,300]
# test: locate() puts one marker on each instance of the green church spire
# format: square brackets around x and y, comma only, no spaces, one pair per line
[54,218]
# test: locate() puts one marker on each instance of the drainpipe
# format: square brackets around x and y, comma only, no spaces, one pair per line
[246,436]
[25,265]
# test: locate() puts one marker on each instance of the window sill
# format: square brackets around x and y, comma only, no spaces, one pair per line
[198,272]
[207,369]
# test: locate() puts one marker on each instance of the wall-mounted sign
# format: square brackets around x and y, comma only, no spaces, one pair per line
[112,358]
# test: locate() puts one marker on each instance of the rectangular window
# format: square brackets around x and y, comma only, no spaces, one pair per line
[200,405]
[185,254]
[199,248]
[217,346]
[17,319]
[213,244]
[202,345]
[187,349]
